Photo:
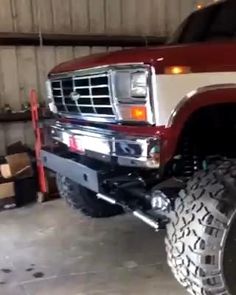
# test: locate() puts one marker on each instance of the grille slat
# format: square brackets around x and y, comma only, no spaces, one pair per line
[88,96]
[86,105]
[83,94]
[96,86]
[81,77]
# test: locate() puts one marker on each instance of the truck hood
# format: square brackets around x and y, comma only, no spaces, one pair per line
[200,57]
[139,55]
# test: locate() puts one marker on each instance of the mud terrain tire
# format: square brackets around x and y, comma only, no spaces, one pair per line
[201,236]
[80,198]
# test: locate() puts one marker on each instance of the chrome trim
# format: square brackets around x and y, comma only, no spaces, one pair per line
[146,219]
[111,89]
[102,68]
[120,106]
[154,97]
[193,93]
[90,117]
[106,198]
[62,96]
[106,145]
[137,213]
[74,106]
[117,107]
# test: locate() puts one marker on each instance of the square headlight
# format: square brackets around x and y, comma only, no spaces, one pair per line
[139,84]
[131,85]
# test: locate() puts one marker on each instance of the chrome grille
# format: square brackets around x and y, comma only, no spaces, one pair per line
[83,94]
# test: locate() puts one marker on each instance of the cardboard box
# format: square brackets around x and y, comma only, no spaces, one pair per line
[7,196]
[7,190]
[18,165]
[5,171]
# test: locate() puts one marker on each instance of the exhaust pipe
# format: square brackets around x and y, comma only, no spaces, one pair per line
[137,213]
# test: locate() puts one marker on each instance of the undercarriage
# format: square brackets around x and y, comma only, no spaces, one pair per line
[135,190]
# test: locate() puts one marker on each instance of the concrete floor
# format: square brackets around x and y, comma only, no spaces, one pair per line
[51,250]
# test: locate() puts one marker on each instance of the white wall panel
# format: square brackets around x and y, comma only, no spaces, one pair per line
[80,51]
[10,92]
[22,15]
[27,71]
[43,16]
[45,61]
[80,16]
[6,16]
[113,17]
[158,17]
[61,11]
[129,21]
[97,16]
[129,17]
[63,53]
[97,49]
[143,17]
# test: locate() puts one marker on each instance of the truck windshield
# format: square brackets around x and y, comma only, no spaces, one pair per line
[213,23]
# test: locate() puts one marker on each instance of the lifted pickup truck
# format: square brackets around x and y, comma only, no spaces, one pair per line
[153,132]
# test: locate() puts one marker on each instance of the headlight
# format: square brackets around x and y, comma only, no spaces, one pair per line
[139,84]
[131,86]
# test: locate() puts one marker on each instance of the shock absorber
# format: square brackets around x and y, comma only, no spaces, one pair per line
[191,159]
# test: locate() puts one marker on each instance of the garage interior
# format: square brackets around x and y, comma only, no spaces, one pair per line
[47,248]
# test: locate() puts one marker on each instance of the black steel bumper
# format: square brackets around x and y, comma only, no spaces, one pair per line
[75,171]
[135,198]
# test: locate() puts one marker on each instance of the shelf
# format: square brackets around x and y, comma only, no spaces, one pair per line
[20,117]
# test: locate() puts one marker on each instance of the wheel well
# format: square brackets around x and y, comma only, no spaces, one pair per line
[210,131]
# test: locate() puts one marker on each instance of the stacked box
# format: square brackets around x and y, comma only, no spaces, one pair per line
[17,182]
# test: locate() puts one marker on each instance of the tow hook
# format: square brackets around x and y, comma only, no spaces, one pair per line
[159,201]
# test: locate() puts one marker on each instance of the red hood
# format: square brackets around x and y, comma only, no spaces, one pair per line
[144,55]
[200,57]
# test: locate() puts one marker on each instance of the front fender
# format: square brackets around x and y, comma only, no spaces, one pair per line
[194,101]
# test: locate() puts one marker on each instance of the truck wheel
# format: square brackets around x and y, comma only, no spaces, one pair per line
[85,200]
[201,235]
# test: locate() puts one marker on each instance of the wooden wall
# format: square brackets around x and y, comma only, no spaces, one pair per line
[26,67]
[129,17]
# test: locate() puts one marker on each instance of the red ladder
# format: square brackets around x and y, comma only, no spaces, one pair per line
[43,188]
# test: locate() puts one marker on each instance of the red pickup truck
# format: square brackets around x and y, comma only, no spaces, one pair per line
[152,132]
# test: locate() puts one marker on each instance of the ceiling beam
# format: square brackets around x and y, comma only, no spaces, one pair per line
[34,39]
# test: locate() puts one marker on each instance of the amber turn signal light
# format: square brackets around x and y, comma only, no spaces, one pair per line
[139,113]
[177,70]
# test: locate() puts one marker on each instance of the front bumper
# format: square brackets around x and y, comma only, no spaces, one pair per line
[109,146]
[71,169]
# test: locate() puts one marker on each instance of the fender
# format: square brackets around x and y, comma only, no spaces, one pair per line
[200,98]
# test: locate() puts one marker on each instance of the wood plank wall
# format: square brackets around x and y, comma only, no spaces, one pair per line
[23,68]
[128,17]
